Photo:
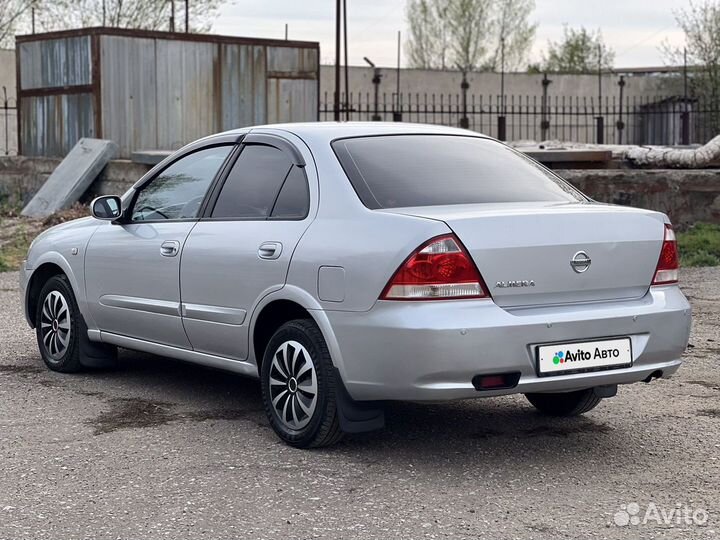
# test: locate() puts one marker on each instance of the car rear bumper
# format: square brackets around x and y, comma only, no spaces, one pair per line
[428,351]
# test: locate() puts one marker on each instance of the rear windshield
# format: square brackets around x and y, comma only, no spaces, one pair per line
[429,170]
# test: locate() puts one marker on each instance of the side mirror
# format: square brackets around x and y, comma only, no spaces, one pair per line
[107,208]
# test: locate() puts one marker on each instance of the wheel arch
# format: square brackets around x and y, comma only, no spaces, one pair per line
[47,269]
[282,306]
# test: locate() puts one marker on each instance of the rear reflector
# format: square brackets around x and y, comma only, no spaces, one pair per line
[501,381]
[669,262]
[440,269]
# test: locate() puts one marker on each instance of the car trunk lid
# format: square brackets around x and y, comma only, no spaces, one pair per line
[556,253]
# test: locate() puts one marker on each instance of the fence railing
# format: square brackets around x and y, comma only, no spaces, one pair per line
[8,124]
[662,120]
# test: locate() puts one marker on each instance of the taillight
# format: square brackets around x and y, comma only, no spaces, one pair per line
[667,267]
[440,269]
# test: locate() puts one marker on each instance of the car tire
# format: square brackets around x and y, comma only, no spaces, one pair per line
[565,404]
[57,326]
[299,389]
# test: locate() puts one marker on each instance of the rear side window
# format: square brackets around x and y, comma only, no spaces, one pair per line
[293,201]
[430,170]
[253,183]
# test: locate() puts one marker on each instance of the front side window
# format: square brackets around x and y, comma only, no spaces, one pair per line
[178,191]
[429,170]
[253,184]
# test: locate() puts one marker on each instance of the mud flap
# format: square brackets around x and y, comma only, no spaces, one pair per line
[357,416]
[607,391]
[94,354]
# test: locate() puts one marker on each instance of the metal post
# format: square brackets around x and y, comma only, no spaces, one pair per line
[104,11]
[397,112]
[336,97]
[187,16]
[685,128]
[599,72]
[347,79]
[172,15]
[286,31]
[620,125]
[501,120]
[464,121]
[5,107]
[544,121]
[32,13]
[377,77]
[600,136]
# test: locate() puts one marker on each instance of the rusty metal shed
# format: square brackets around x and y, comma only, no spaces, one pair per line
[156,90]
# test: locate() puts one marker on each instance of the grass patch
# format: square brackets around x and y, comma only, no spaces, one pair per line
[17,232]
[700,245]
[13,252]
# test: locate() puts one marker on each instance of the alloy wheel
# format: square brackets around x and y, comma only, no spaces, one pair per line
[55,325]
[293,385]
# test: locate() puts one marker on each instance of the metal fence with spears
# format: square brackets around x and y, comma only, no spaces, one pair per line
[8,124]
[617,119]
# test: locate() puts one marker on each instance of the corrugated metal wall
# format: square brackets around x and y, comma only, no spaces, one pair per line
[158,91]
[55,105]
[51,125]
[54,63]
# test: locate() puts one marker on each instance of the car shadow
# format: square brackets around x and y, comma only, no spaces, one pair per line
[146,391]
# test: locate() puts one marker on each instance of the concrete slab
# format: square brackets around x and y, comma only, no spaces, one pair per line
[149,157]
[567,155]
[71,178]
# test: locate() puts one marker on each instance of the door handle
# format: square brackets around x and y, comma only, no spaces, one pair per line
[270,250]
[169,248]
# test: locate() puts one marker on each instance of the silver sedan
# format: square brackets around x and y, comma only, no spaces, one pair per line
[348,264]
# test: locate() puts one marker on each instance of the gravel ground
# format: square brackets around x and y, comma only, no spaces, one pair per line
[161,449]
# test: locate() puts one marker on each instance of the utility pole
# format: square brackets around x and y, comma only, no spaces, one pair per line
[620,124]
[345,47]
[599,72]
[397,113]
[336,97]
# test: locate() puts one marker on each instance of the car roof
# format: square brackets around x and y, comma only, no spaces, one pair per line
[320,132]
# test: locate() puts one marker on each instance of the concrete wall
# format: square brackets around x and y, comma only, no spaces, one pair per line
[687,196]
[21,177]
[8,117]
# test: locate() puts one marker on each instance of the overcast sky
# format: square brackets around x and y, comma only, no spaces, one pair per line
[633,28]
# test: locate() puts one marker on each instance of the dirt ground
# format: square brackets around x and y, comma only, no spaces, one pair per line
[162,449]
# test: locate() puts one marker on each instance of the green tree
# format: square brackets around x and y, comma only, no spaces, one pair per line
[141,14]
[428,42]
[514,34]
[580,51]
[700,22]
[12,16]
[469,34]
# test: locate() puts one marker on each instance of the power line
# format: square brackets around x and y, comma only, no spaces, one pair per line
[644,40]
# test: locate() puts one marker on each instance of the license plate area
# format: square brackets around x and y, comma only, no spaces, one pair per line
[583,356]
